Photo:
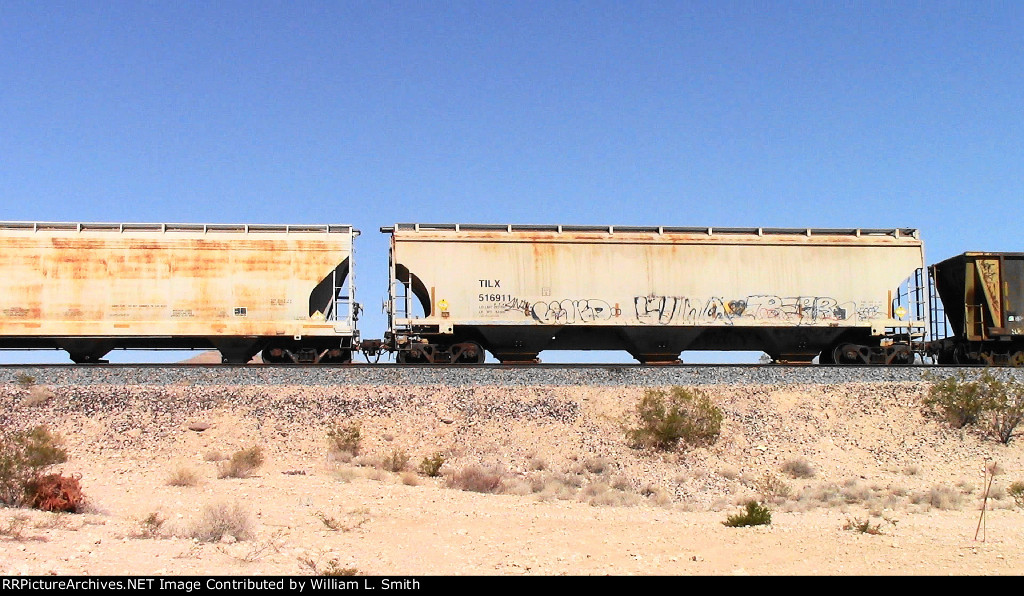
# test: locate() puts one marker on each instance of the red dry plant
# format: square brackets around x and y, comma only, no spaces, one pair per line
[54,492]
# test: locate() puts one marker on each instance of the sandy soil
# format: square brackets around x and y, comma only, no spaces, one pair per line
[576,499]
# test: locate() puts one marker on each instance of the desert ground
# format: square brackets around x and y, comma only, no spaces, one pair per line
[859,478]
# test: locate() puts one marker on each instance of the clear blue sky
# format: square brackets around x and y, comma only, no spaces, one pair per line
[774,114]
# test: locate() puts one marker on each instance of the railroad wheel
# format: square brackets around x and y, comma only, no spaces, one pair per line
[1017,358]
[415,354]
[468,352]
[847,354]
[336,356]
[902,358]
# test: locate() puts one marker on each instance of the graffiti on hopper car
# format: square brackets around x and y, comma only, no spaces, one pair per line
[568,311]
[664,310]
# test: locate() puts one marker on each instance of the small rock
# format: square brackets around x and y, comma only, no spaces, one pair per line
[199,426]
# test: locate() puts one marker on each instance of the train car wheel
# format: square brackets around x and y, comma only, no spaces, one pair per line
[847,354]
[468,352]
[416,354]
[1017,358]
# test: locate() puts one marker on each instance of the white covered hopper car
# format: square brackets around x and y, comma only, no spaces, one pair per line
[516,290]
[89,288]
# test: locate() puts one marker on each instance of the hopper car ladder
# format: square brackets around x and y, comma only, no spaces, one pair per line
[914,296]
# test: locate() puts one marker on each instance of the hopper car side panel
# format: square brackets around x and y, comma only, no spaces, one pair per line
[518,290]
[89,288]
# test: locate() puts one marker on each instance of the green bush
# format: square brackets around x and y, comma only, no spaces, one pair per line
[431,466]
[1005,407]
[755,514]
[682,415]
[1016,491]
[995,403]
[396,462]
[959,400]
[345,438]
[24,457]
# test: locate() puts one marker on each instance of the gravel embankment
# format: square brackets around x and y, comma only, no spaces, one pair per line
[848,422]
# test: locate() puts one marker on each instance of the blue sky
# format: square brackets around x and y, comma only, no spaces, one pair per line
[774,114]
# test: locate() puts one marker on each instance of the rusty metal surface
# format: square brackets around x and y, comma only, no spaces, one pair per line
[637,277]
[166,279]
[983,294]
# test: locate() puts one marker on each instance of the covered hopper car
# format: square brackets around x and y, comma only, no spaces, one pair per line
[88,288]
[982,294]
[461,290]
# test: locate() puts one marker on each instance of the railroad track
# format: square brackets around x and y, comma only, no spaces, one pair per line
[467,375]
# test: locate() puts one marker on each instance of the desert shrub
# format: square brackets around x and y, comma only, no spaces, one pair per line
[855,491]
[343,525]
[1016,491]
[1005,407]
[54,492]
[242,463]
[15,527]
[214,455]
[332,568]
[183,477]
[476,478]
[997,402]
[939,497]
[431,466]
[655,494]
[683,415]
[728,472]
[219,520]
[755,514]
[798,468]
[345,438]
[597,465]
[771,487]
[864,526]
[396,462]
[959,399]
[37,396]
[600,494]
[24,457]
[150,526]
[828,494]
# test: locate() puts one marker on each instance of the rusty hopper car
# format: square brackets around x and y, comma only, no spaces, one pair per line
[516,290]
[92,288]
[983,297]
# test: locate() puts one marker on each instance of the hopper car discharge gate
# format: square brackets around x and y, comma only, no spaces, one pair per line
[459,291]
